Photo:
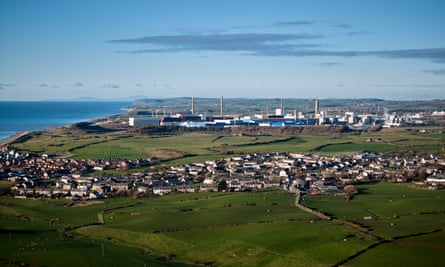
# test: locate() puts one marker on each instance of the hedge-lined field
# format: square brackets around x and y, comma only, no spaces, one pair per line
[411,219]
[37,233]
[234,229]
[242,229]
[191,147]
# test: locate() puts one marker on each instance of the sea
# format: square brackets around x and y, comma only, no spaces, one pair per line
[18,116]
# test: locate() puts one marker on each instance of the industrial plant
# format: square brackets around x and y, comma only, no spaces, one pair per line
[279,116]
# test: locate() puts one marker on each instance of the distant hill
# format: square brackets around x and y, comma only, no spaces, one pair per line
[246,106]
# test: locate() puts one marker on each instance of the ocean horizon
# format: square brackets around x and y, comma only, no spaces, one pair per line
[19,116]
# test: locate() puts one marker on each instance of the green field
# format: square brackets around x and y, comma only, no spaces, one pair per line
[261,228]
[198,147]
[37,233]
[411,220]
[242,229]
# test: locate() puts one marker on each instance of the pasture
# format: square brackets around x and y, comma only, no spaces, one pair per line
[37,233]
[411,220]
[198,146]
[262,228]
[239,229]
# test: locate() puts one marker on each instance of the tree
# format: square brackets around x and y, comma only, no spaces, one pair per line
[222,186]
[350,190]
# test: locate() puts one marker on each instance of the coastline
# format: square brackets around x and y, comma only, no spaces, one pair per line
[20,120]
[13,138]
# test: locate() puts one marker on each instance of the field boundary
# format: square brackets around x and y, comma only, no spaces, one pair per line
[383,241]
[307,209]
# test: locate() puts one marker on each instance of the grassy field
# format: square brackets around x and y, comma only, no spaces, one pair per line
[426,250]
[412,220]
[193,147]
[261,228]
[243,229]
[36,233]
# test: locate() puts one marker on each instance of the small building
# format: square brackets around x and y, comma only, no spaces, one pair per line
[161,191]
[133,122]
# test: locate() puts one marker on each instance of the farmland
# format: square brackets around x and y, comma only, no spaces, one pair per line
[384,224]
[409,222]
[200,146]
[230,229]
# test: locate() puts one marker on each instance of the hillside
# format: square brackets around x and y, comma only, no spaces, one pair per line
[261,228]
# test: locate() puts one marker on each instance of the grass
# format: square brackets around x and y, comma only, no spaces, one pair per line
[385,201]
[230,229]
[58,144]
[423,250]
[49,248]
[194,144]
[32,232]
[216,211]
[244,229]
[398,212]
[274,244]
[203,146]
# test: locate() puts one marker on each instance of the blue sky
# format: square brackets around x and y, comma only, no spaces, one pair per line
[109,49]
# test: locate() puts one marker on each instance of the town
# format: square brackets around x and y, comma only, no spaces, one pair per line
[56,176]
[46,176]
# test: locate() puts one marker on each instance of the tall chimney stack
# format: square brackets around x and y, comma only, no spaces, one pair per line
[193,105]
[317,108]
[221,107]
